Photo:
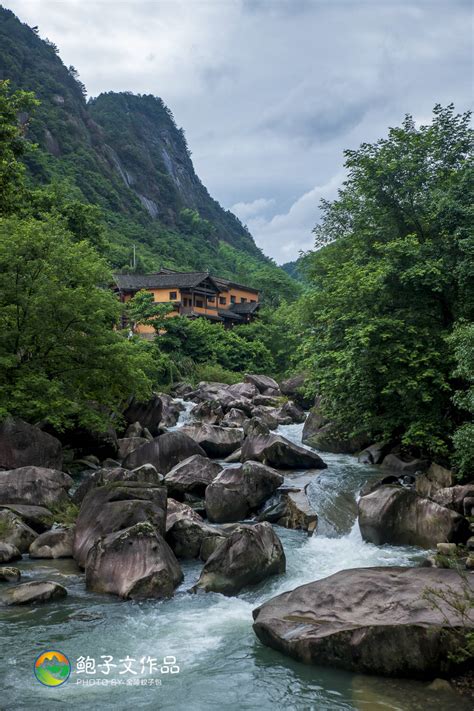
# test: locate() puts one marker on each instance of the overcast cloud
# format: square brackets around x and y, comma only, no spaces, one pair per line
[270,92]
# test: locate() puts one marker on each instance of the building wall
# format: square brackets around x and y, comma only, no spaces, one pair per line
[163,296]
[239,294]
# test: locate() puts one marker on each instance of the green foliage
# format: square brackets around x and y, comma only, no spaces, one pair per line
[462,340]
[12,143]
[143,309]
[214,373]
[59,354]
[460,605]
[391,275]
[65,514]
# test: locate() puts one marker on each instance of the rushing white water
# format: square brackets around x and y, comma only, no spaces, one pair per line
[222,664]
[184,416]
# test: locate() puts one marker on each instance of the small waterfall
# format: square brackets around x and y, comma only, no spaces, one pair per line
[185,414]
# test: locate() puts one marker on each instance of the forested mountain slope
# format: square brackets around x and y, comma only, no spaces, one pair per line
[125,154]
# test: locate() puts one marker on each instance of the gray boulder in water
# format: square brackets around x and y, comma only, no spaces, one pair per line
[398,516]
[216,441]
[33,593]
[164,452]
[15,531]
[24,445]
[248,556]
[35,486]
[237,491]
[192,476]
[134,563]
[371,620]
[278,452]
[53,544]
[114,506]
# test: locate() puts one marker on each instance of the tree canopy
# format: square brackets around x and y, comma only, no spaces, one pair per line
[391,276]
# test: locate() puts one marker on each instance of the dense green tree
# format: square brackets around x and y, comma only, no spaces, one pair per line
[14,114]
[462,341]
[61,359]
[391,275]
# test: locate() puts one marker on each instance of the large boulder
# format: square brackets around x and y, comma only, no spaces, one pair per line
[249,555]
[299,513]
[23,445]
[53,544]
[329,438]
[278,452]
[453,497]
[8,552]
[263,383]
[404,464]
[292,412]
[216,441]
[314,422]
[33,593]
[209,411]
[234,418]
[370,620]
[398,516]
[148,413]
[373,454]
[192,476]
[171,410]
[34,486]
[176,511]
[188,536]
[434,478]
[294,388]
[243,390]
[211,391]
[113,507]
[13,530]
[133,563]
[164,452]
[126,445]
[9,574]
[37,517]
[145,475]
[265,417]
[235,492]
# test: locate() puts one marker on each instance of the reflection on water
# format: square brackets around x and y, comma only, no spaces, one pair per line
[223,666]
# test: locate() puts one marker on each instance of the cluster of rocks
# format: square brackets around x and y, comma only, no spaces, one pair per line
[423,510]
[210,490]
[154,496]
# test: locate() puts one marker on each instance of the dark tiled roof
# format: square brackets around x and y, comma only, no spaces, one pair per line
[228,283]
[246,308]
[228,314]
[167,278]
[160,280]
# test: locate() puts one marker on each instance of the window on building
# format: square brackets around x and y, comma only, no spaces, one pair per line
[232,299]
[222,300]
[243,300]
[199,303]
[211,299]
[173,295]
[253,301]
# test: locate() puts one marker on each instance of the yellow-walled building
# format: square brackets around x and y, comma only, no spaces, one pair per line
[193,294]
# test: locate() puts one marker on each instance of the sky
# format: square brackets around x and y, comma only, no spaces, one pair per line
[270,92]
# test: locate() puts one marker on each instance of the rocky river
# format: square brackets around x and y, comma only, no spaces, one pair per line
[199,651]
